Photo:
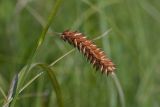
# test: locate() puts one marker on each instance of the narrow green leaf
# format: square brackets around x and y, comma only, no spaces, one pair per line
[54,82]
[12,90]
[3,93]
[52,78]
[37,46]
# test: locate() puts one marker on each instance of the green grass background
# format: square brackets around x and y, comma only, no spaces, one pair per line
[133,44]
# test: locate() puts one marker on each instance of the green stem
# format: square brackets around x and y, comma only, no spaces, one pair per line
[119,88]
[36,47]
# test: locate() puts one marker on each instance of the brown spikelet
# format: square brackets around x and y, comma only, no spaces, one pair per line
[96,57]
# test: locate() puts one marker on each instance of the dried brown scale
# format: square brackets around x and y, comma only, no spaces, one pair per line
[90,50]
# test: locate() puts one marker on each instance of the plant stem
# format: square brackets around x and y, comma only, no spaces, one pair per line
[36,47]
[119,88]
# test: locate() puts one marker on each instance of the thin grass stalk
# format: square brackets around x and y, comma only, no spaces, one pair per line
[52,78]
[3,93]
[119,89]
[53,63]
[38,44]
[27,84]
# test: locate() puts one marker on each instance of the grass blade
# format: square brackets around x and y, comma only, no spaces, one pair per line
[3,93]
[54,82]
[119,89]
[12,90]
[33,79]
[36,47]
[52,78]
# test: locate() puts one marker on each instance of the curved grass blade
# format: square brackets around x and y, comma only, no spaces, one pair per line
[54,82]
[52,78]
[37,46]
[42,36]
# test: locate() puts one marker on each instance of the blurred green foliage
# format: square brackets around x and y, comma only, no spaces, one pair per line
[133,45]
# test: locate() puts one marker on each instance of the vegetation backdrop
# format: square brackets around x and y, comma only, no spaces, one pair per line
[132,42]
